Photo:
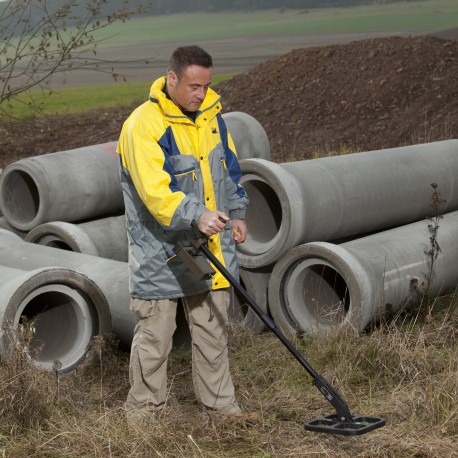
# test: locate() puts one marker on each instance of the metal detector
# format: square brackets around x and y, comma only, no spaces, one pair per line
[342,422]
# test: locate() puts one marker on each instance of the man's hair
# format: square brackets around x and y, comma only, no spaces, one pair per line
[185,56]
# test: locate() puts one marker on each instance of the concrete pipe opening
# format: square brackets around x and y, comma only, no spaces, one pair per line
[275,216]
[264,206]
[70,237]
[318,287]
[315,296]
[62,235]
[19,198]
[51,240]
[61,321]
[58,310]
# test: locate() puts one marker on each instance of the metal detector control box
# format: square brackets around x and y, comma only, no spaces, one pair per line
[194,261]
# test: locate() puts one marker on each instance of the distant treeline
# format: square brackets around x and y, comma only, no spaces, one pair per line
[188,6]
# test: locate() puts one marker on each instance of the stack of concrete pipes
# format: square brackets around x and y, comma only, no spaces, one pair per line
[64,249]
[333,242]
[350,239]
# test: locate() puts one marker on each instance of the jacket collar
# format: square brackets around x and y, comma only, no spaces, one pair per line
[210,105]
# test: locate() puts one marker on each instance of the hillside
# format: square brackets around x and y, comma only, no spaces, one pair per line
[365,95]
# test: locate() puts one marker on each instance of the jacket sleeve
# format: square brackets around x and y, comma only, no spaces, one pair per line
[153,177]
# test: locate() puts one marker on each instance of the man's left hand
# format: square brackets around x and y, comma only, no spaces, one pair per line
[239,230]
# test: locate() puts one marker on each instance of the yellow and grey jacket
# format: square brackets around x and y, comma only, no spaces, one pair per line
[173,170]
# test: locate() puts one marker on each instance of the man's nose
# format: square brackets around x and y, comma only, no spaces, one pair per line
[201,93]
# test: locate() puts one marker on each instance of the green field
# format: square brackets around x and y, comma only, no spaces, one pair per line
[421,16]
[252,34]
[74,100]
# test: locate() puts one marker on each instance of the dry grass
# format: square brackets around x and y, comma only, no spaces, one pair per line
[405,371]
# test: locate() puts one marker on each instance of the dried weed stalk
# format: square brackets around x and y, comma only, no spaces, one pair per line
[433,227]
[25,400]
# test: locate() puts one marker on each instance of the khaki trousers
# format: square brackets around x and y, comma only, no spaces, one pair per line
[152,343]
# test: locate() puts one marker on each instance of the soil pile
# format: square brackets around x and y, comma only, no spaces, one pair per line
[365,95]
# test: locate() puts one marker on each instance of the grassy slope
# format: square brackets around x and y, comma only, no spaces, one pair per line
[64,101]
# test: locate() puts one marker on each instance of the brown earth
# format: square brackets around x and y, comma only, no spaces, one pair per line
[368,94]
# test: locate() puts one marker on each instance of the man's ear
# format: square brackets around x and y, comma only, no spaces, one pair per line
[172,78]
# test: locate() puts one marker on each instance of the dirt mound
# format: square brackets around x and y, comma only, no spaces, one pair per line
[365,95]
[59,133]
[368,94]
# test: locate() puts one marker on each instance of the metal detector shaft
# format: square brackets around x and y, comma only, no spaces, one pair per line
[342,410]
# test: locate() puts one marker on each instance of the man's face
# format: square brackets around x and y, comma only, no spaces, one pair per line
[189,92]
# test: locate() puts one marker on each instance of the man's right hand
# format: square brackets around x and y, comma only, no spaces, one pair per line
[212,222]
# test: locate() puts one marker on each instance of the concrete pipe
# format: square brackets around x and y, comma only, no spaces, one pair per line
[105,237]
[322,286]
[7,226]
[255,282]
[110,276]
[73,185]
[340,197]
[60,308]
[249,136]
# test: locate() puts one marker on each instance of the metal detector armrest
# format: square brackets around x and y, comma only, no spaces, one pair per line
[194,261]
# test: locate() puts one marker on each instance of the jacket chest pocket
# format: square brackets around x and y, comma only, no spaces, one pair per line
[188,175]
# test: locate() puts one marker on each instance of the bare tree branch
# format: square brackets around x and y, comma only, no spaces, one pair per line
[37,43]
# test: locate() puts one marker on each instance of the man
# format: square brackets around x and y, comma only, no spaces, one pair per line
[179,171]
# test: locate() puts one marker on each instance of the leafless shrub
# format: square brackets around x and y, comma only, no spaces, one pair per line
[41,38]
